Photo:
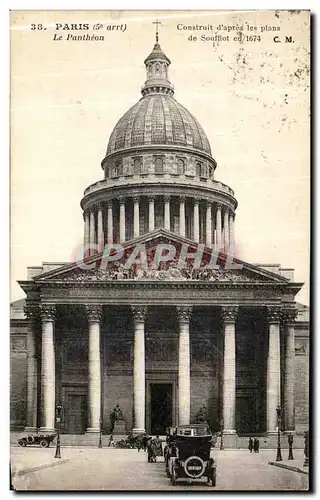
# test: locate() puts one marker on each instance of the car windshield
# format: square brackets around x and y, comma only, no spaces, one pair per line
[193,431]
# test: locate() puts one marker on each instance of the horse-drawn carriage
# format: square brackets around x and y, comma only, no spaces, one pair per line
[187,453]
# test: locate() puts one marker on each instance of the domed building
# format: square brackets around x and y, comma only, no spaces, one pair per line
[158,316]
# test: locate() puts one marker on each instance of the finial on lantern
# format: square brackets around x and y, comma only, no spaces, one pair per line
[157,29]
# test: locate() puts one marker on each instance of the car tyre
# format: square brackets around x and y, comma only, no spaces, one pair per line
[30,439]
[22,442]
[44,443]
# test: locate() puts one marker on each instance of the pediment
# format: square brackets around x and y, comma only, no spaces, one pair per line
[163,256]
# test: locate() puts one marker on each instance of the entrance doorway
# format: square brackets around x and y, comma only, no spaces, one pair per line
[161,407]
[75,419]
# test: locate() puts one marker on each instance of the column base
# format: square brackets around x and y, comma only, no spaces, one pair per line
[93,430]
[272,433]
[30,429]
[136,431]
[47,430]
[230,438]
[289,431]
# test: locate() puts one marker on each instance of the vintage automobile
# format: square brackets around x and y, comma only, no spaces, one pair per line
[188,454]
[43,440]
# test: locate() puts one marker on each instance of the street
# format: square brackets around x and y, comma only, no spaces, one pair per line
[117,469]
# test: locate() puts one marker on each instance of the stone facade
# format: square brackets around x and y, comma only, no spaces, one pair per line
[163,340]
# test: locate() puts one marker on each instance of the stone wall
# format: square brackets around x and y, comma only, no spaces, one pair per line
[18,375]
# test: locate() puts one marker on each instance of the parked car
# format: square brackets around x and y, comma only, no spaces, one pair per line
[188,454]
[43,440]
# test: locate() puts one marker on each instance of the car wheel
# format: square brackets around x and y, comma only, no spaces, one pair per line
[30,439]
[44,443]
[22,442]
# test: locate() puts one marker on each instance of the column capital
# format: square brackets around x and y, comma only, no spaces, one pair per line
[122,200]
[167,198]
[288,316]
[182,199]
[139,313]
[274,314]
[109,203]
[208,204]
[196,201]
[99,205]
[93,208]
[136,199]
[94,312]
[219,206]
[151,198]
[226,210]
[184,313]
[47,312]
[229,314]
[32,312]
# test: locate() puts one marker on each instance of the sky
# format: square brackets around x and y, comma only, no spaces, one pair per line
[251,98]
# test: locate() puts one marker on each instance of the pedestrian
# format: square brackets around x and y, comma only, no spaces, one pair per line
[139,443]
[158,447]
[256,445]
[250,445]
[151,450]
[145,441]
[111,441]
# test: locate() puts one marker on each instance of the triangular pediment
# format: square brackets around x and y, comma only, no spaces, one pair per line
[163,256]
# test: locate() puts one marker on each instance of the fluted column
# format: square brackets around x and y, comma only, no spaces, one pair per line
[86,237]
[196,232]
[151,213]
[31,420]
[273,368]
[231,228]
[100,228]
[110,222]
[219,226]
[92,230]
[139,377]
[229,316]
[47,313]
[94,370]
[122,221]
[167,212]
[226,228]
[209,224]
[182,218]
[184,314]
[288,318]
[136,217]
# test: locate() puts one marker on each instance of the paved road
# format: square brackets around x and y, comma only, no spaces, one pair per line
[113,469]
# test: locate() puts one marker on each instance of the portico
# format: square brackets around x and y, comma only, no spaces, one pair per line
[222,340]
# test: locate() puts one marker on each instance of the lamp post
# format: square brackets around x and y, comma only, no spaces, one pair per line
[221,431]
[58,423]
[290,443]
[100,434]
[279,456]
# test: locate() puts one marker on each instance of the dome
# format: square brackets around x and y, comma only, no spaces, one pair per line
[158,119]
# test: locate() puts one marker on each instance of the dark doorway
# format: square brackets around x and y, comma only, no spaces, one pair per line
[161,408]
[75,413]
